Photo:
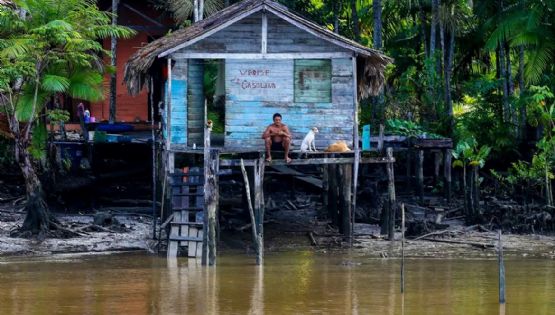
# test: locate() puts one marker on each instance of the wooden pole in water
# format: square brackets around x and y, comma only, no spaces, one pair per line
[420,175]
[391,194]
[251,211]
[501,270]
[403,248]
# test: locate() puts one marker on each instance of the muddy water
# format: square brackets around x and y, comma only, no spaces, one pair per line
[289,283]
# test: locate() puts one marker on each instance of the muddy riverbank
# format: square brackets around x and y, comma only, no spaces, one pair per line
[134,233]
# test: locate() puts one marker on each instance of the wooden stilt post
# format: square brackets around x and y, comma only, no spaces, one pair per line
[211,195]
[170,169]
[409,169]
[391,194]
[420,175]
[356,166]
[381,139]
[345,182]
[259,206]
[332,193]
[447,173]
[325,188]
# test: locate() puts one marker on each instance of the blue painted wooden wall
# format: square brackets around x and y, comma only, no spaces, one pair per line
[178,116]
[256,89]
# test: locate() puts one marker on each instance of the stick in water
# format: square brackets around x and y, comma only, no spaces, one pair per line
[403,248]
[501,270]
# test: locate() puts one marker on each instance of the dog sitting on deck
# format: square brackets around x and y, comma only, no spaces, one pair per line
[338,147]
[308,141]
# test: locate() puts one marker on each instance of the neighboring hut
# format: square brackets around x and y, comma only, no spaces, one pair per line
[273,61]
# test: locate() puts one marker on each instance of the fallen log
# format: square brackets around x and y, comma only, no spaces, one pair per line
[476,244]
[432,233]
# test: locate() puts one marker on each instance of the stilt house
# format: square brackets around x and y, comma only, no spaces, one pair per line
[270,60]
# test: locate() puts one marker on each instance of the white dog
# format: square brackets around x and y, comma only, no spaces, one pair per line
[308,141]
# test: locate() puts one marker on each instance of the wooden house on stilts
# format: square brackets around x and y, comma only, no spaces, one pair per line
[268,60]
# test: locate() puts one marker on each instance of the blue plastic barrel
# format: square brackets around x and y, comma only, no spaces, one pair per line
[366,138]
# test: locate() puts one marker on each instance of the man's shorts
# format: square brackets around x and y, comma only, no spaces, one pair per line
[277,146]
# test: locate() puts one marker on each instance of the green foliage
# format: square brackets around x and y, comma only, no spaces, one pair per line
[478,115]
[54,48]
[408,129]
[541,109]
[468,152]
[58,115]
[38,141]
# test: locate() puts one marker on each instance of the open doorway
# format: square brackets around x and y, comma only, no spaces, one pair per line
[214,87]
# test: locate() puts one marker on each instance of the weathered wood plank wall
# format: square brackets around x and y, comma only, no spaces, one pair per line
[257,89]
[241,37]
[178,116]
[285,37]
[195,102]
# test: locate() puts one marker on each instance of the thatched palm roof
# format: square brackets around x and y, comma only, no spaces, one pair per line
[371,62]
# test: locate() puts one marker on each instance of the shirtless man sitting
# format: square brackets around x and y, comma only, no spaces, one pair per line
[277,137]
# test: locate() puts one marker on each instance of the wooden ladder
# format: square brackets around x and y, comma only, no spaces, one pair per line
[187,202]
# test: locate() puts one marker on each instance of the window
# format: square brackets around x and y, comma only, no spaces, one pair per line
[312,81]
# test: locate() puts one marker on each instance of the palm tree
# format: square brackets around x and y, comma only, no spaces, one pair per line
[183,9]
[47,47]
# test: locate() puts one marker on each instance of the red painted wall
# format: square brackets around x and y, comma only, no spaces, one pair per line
[128,108]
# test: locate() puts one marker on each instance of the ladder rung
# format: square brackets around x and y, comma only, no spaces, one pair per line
[178,175]
[188,209]
[186,238]
[188,223]
[179,184]
[187,194]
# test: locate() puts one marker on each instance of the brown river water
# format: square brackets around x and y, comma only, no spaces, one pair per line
[301,282]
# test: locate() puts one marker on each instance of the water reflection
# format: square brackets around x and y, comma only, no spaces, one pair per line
[288,283]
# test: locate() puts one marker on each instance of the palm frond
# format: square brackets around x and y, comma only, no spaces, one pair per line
[86,85]
[54,83]
[25,102]
[15,47]
[539,59]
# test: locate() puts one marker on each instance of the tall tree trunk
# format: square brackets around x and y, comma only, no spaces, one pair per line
[354,16]
[377,8]
[200,10]
[37,220]
[336,16]
[377,101]
[433,26]
[432,58]
[422,21]
[504,86]
[510,83]
[522,89]
[113,62]
[442,44]
[448,77]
